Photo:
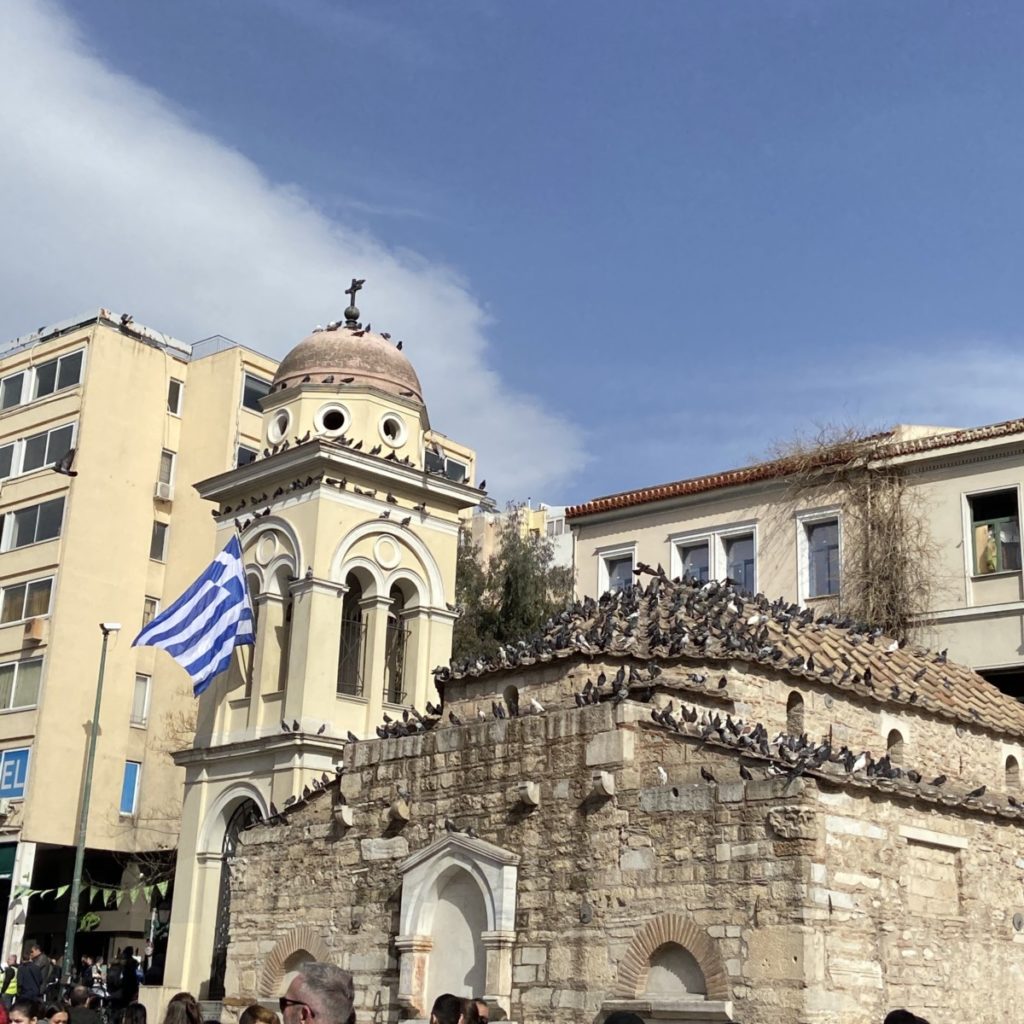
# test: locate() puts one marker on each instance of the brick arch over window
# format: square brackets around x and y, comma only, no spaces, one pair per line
[298,939]
[634,966]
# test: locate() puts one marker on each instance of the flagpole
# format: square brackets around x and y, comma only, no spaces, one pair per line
[106,628]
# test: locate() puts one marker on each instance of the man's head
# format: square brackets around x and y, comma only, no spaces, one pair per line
[904,1017]
[33,949]
[319,994]
[13,959]
[477,1012]
[447,1009]
[79,996]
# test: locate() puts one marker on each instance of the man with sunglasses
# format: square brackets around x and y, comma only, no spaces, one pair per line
[319,994]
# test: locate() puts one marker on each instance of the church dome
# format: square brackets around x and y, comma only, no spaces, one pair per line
[349,351]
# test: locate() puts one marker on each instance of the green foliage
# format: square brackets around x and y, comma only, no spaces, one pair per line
[513,595]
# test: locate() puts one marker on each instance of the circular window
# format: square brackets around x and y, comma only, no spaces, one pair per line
[277,429]
[392,429]
[332,419]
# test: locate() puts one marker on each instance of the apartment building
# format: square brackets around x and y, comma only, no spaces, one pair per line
[483,524]
[751,525]
[104,426]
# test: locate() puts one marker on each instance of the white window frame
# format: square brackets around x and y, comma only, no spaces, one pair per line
[34,376]
[20,444]
[804,519]
[17,663]
[176,411]
[240,447]
[968,530]
[7,536]
[144,722]
[606,554]
[24,374]
[715,537]
[163,554]
[26,584]
[174,467]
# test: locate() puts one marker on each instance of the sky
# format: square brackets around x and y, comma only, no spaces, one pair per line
[623,244]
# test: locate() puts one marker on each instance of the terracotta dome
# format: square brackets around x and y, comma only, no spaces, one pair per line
[346,352]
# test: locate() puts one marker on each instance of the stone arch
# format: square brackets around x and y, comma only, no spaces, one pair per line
[273,524]
[894,746]
[369,575]
[412,585]
[434,594]
[1012,773]
[795,714]
[211,836]
[678,930]
[301,939]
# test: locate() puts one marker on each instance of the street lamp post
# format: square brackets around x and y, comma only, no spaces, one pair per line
[106,628]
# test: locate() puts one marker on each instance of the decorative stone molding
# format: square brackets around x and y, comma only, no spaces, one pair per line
[302,938]
[792,822]
[636,963]
[424,874]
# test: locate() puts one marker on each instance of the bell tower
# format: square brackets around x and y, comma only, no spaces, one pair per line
[349,527]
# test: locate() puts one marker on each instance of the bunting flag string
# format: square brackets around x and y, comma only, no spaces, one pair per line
[105,895]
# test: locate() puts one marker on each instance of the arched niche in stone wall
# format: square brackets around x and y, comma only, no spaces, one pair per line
[468,888]
[672,970]
[293,948]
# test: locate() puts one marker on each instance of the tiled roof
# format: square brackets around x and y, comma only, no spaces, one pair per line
[779,468]
[669,620]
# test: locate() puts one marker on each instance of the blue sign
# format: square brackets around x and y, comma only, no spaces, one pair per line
[13,773]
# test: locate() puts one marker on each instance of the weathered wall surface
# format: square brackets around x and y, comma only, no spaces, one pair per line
[800,901]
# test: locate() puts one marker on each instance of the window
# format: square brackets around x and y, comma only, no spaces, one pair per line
[140,702]
[150,609]
[894,746]
[130,787]
[739,561]
[175,393]
[995,530]
[823,557]
[158,542]
[1012,774]
[166,467]
[619,570]
[35,452]
[10,390]
[19,683]
[253,389]
[244,455]
[26,601]
[13,773]
[555,527]
[33,524]
[58,374]
[457,471]
[795,714]
[695,561]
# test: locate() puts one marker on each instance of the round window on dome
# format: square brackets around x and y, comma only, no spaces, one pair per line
[332,419]
[277,429]
[392,429]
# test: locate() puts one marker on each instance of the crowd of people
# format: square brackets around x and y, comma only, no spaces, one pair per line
[32,991]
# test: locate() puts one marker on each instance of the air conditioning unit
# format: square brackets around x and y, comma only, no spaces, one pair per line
[35,629]
[164,492]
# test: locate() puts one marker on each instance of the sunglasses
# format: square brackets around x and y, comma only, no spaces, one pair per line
[285,1002]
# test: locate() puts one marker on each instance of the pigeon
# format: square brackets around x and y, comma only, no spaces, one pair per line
[386,514]
[939,780]
[537,706]
[482,485]
[745,774]
[662,776]
[976,793]
[454,718]
[295,725]
[322,729]
[285,727]
[351,737]
[399,346]
[406,521]
[706,775]
[64,463]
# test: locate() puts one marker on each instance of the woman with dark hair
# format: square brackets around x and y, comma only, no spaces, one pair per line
[56,1013]
[133,1014]
[26,1011]
[193,1015]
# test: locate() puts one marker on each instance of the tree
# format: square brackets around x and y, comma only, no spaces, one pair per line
[512,596]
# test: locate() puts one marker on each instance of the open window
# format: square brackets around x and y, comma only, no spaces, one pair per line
[995,532]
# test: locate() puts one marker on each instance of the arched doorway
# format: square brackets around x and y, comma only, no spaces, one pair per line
[459,962]
[245,814]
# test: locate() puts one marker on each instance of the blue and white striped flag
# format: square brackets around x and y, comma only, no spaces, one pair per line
[202,628]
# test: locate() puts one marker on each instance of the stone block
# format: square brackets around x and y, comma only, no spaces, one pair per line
[533,955]
[384,849]
[838,824]
[615,747]
[524,974]
[676,798]
[637,860]
[448,740]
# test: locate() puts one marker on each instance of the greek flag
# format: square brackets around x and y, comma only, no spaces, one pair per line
[202,628]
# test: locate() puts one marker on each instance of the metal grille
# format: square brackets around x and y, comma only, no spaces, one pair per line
[352,661]
[394,663]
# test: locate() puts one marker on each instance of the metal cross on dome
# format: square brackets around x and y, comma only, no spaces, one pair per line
[352,313]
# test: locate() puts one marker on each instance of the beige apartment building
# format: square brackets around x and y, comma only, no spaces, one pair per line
[750,524]
[482,525]
[349,528]
[104,426]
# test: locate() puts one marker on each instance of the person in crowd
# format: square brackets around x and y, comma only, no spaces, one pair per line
[193,1015]
[99,976]
[477,1011]
[85,976]
[134,1013]
[34,974]
[903,1017]
[125,989]
[447,1009]
[56,1013]
[79,1012]
[256,1014]
[26,1011]
[9,982]
[320,991]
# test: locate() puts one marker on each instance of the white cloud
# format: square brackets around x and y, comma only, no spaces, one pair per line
[111,197]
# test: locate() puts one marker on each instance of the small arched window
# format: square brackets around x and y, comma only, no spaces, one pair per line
[795,714]
[894,746]
[1012,773]
[353,639]
[674,972]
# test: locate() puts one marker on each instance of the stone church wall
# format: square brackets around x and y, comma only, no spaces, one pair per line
[799,901]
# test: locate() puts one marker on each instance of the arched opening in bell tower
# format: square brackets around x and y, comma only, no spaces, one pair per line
[395,652]
[353,639]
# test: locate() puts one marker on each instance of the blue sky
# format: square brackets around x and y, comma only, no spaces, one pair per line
[624,244]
